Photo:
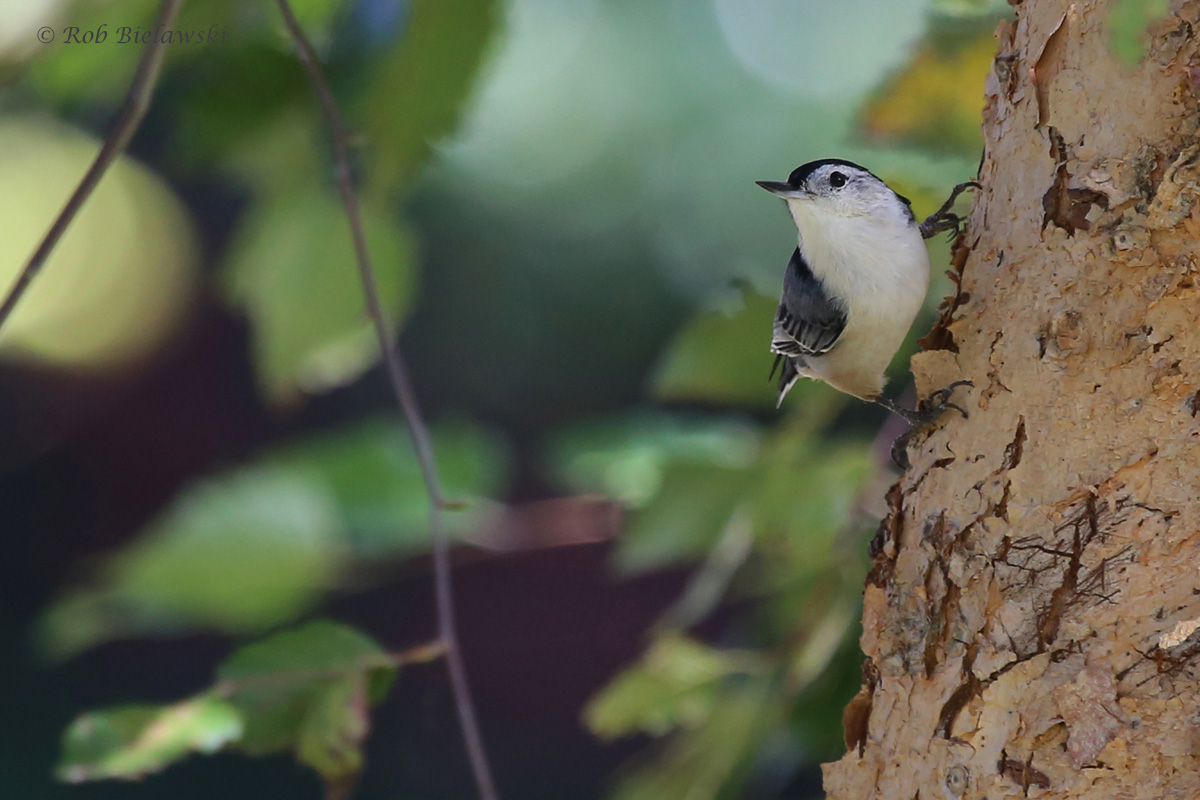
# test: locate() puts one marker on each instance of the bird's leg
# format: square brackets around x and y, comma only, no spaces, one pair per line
[944,219]
[927,412]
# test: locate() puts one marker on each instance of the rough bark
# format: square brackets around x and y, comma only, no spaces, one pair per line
[1032,621]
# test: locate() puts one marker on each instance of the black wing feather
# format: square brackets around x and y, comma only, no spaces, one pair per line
[809,320]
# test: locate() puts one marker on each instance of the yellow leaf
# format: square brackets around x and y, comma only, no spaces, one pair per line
[936,100]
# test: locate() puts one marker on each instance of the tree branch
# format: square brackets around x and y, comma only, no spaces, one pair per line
[137,101]
[406,397]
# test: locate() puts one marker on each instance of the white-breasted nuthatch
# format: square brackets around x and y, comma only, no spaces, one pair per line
[855,283]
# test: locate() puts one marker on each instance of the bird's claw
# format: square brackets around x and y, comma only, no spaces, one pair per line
[944,219]
[937,402]
[927,413]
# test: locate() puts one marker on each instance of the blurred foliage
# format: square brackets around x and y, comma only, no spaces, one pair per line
[971,8]
[707,361]
[686,518]
[796,496]
[712,759]
[294,260]
[686,483]
[1129,22]
[416,93]
[118,283]
[72,75]
[675,685]
[376,481]
[627,458]
[249,116]
[567,258]
[270,535]
[134,741]
[935,100]
[308,691]
[725,725]
[279,532]
[303,688]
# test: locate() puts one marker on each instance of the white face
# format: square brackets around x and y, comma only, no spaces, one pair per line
[845,191]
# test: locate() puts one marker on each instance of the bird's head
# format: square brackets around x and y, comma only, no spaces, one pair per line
[841,188]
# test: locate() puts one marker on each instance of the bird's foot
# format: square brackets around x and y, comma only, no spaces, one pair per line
[928,412]
[944,219]
[938,402]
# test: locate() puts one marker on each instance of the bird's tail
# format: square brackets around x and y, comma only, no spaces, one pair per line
[788,375]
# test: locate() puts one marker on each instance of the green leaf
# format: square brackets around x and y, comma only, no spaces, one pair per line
[253,547]
[251,105]
[627,457]
[686,518]
[376,478]
[334,728]
[1128,24]
[685,476]
[711,761]
[307,690]
[322,647]
[279,685]
[722,358]
[803,497]
[676,684]
[971,8]
[134,741]
[239,552]
[416,94]
[292,269]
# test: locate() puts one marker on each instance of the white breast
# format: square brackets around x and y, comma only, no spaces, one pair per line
[879,267]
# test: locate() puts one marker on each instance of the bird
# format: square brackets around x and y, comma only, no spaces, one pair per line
[855,282]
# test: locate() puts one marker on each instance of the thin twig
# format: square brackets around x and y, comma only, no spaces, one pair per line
[137,101]
[421,654]
[402,386]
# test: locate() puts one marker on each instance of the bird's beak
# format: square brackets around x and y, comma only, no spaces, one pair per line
[778,189]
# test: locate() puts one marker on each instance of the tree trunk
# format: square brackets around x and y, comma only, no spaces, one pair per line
[1032,621]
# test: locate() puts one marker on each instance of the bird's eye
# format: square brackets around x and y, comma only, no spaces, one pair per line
[837,180]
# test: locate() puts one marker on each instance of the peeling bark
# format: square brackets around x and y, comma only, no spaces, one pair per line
[1032,620]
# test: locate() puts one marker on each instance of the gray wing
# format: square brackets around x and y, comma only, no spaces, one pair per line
[809,321]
